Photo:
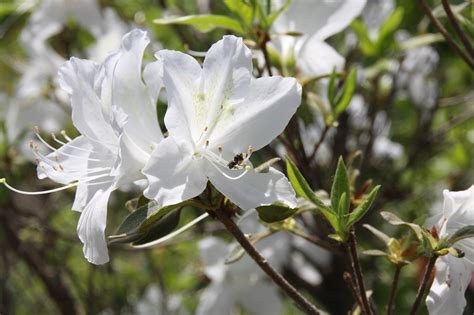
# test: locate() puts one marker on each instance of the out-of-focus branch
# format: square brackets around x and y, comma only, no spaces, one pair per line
[448,38]
[51,279]
[458,29]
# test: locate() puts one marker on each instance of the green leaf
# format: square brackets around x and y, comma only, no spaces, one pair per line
[395,220]
[160,228]
[362,209]
[462,233]
[347,93]
[374,252]
[366,45]
[381,235]
[341,211]
[241,9]
[301,186]
[272,17]
[129,229]
[388,28]
[421,40]
[332,87]
[303,189]
[340,186]
[275,212]
[204,23]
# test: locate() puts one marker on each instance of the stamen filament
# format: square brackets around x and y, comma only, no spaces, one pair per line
[44,192]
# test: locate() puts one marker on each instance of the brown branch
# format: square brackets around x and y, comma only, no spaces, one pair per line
[348,279]
[443,32]
[262,262]
[393,289]
[424,283]
[457,28]
[357,271]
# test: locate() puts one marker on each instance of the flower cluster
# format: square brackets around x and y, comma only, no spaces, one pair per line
[217,115]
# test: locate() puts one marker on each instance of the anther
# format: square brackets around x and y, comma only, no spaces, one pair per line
[205,129]
[207,143]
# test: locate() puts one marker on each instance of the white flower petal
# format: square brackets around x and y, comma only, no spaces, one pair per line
[212,251]
[181,73]
[69,163]
[217,299]
[130,94]
[89,114]
[262,298]
[321,19]
[225,78]
[254,189]
[318,58]
[446,296]
[268,106]
[153,77]
[91,228]
[173,174]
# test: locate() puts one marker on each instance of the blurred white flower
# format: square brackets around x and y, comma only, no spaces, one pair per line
[382,146]
[153,303]
[416,76]
[38,99]
[217,114]
[241,283]
[316,21]
[49,18]
[453,275]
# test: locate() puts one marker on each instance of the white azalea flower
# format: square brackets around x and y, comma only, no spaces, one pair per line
[49,18]
[316,21]
[453,274]
[115,111]
[242,282]
[153,303]
[216,116]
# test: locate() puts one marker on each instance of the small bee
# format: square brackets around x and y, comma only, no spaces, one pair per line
[237,161]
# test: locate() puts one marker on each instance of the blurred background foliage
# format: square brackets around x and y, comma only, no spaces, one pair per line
[43,271]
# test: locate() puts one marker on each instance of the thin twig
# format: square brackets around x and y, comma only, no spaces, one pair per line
[443,31]
[393,289]
[424,283]
[457,28]
[316,241]
[356,269]
[347,277]
[262,262]
[321,140]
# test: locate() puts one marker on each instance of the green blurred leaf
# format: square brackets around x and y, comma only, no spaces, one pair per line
[346,94]
[381,235]
[388,29]
[332,87]
[275,212]
[241,9]
[340,186]
[273,16]
[374,252]
[204,23]
[362,209]
[366,45]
